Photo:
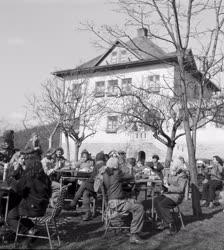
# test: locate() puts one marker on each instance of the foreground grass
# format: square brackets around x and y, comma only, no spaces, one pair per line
[204,234]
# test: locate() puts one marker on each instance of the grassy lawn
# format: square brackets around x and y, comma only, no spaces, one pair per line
[206,233]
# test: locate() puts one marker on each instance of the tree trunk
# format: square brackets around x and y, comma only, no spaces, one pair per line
[50,139]
[193,171]
[169,156]
[67,147]
[194,137]
[76,156]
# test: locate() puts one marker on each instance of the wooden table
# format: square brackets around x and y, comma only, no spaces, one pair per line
[149,184]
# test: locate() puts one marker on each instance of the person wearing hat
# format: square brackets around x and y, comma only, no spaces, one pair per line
[86,189]
[112,181]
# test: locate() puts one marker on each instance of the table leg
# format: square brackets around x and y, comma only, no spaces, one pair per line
[6,208]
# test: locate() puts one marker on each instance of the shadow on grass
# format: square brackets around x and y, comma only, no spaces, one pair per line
[208,215]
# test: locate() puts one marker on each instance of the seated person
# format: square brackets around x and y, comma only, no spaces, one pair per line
[85,164]
[156,167]
[112,181]
[175,195]
[15,171]
[213,183]
[50,169]
[58,158]
[48,163]
[35,189]
[86,188]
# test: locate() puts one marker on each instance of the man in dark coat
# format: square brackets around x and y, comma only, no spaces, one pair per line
[35,189]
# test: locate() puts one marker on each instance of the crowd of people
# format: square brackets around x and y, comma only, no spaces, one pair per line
[35,183]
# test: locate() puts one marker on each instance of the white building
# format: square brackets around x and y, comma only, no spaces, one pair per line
[134,62]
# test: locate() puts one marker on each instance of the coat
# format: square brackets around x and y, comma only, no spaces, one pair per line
[177,187]
[35,191]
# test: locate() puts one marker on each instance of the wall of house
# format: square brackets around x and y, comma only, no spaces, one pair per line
[123,138]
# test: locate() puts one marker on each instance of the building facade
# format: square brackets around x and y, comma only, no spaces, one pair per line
[138,62]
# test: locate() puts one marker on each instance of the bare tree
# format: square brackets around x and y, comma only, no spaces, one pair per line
[70,107]
[179,25]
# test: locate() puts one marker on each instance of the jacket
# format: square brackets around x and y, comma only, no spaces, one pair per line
[216,172]
[35,191]
[112,180]
[90,181]
[177,187]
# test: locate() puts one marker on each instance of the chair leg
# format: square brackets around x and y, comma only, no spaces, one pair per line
[48,234]
[58,236]
[17,231]
[181,217]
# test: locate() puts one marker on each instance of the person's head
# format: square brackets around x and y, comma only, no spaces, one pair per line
[100,157]
[49,154]
[113,163]
[106,157]
[21,159]
[155,158]
[181,160]
[131,161]
[59,152]
[113,153]
[5,145]
[217,160]
[85,156]
[122,156]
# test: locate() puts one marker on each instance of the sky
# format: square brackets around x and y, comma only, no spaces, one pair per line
[38,37]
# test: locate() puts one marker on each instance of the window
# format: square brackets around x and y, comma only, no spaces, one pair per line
[112,88]
[113,57]
[153,83]
[112,124]
[100,89]
[126,85]
[76,90]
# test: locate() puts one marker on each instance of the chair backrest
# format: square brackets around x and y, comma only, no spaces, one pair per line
[60,202]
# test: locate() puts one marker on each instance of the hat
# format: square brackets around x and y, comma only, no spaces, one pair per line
[112,163]
[100,156]
[50,152]
[113,152]
[121,152]
[5,145]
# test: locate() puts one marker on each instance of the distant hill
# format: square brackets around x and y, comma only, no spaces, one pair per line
[22,137]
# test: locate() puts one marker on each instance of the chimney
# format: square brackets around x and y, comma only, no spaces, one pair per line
[142,32]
